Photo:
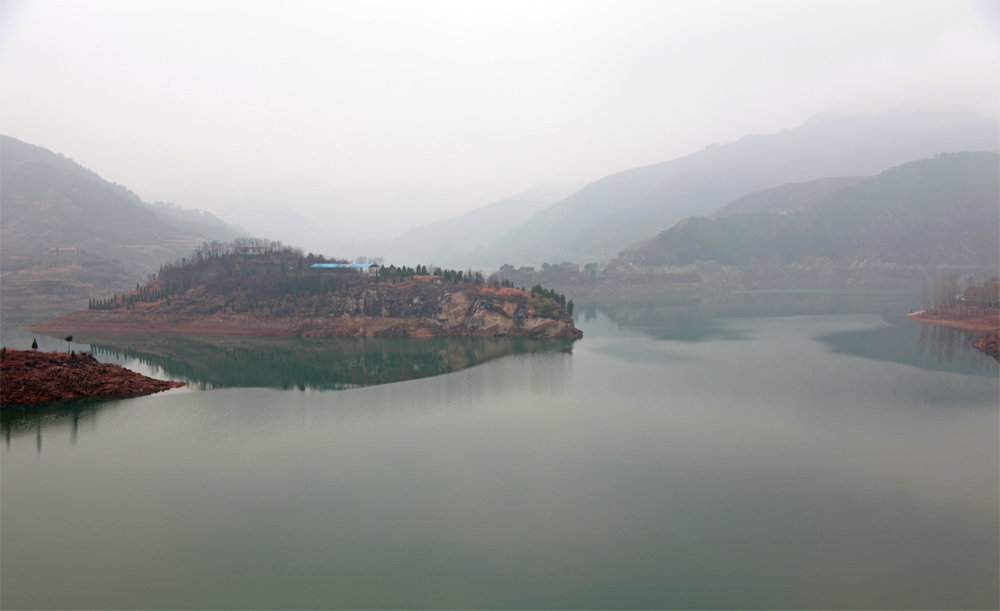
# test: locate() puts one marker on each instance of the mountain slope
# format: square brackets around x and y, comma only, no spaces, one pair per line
[614,212]
[924,214]
[454,242]
[788,197]
[50,201]
[106,236]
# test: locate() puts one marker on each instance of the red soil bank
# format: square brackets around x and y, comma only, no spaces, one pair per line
[29,376]
[986,322]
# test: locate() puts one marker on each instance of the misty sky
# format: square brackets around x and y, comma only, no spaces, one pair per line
[412,111]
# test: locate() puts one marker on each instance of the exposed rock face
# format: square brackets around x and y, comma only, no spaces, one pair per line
[418,309]
[29,376]
[990,344]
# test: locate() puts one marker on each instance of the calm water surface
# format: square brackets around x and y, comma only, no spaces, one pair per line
[754,450]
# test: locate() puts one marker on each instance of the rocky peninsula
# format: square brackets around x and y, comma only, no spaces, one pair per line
[30,376]
[275,295]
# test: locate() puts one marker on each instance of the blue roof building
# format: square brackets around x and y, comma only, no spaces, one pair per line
[364,268]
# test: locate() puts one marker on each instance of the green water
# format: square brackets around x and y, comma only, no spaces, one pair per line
[755,450]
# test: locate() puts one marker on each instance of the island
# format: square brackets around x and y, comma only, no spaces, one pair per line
[280,292]
[30,376]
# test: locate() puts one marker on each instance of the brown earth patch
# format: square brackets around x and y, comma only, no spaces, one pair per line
[986,322]
[30,376]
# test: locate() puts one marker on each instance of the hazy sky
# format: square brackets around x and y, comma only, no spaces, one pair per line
[412,111]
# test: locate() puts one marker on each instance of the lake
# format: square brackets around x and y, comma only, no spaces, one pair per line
[768,449]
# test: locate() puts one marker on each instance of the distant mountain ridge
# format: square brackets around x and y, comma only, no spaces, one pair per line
[627,208]
[904,224]
[460,242]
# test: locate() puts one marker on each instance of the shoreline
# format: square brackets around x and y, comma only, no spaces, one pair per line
[248,324]
[981,324]
[31,376]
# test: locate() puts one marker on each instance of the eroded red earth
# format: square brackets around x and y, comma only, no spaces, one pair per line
[30,376]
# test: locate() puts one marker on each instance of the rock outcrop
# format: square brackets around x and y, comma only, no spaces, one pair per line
[413,309]
[990,344]
[29,376]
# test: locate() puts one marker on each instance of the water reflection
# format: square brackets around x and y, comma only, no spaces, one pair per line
[912,343]
[697,317]
[293,363]
[322,364]
[71,414]
[701,317]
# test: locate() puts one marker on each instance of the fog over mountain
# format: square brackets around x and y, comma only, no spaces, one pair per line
[905,225]
[365,120]
[50,201]
[69,234]
[462,241]
[608,215]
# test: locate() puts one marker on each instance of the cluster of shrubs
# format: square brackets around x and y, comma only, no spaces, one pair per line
[544,300]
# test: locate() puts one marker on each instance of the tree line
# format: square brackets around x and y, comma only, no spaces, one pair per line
[971,298]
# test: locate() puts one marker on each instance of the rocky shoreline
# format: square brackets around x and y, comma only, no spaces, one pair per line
[484,312]
[30,376]
[989,343]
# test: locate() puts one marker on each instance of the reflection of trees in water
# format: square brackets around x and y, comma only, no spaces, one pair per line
[953,345]
[24,420]
[312,363]
[669,317]
[692,316]
[910,343]
[283,363]
[701,317]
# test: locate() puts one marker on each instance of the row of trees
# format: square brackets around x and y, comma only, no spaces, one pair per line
[449,275]
[971,298]
[216,249]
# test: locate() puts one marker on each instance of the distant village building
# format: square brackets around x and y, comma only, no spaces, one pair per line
[527,270]
[62,250]
[570,267]
[251,249]
[364,268]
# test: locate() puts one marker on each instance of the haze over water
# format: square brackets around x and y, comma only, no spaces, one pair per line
[802,449]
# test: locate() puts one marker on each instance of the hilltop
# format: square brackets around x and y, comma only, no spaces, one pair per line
[274,290]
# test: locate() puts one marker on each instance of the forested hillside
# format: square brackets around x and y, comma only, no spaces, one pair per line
[943,211]
[786,198]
